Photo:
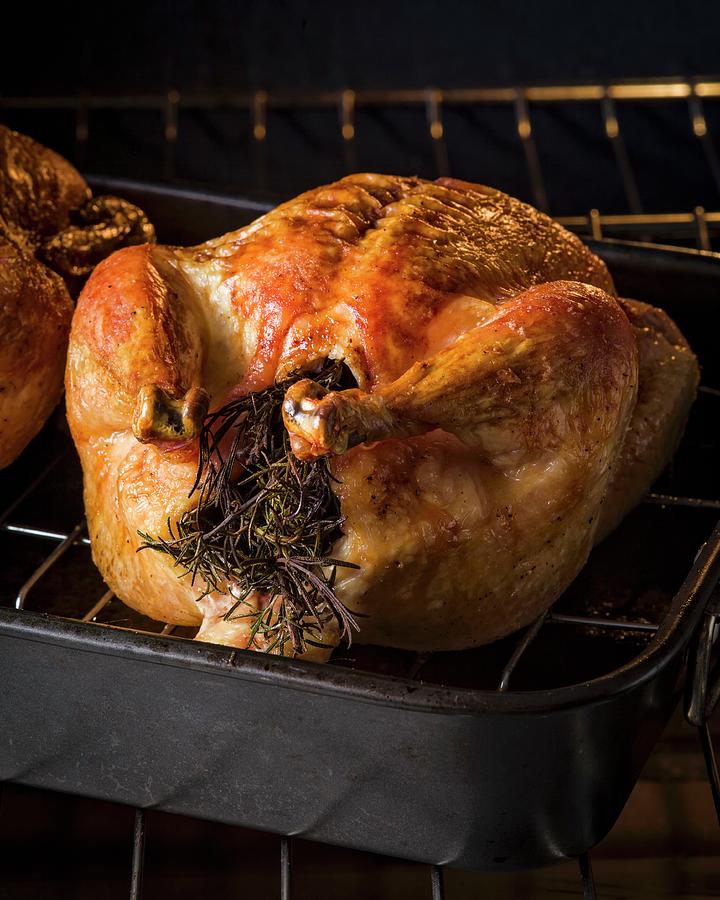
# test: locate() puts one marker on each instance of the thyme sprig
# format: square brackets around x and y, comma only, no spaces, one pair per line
[264,522]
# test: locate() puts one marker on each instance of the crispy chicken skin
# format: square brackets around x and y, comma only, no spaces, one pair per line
[497,381]
[38,189]
[35,313]
[48,224]
[669,379]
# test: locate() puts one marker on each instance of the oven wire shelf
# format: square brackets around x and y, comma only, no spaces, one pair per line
[696,225]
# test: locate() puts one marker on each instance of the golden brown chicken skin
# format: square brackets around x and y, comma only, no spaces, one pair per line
[497,378]
[669,378]
[51,234]
[35,313]
[37,191]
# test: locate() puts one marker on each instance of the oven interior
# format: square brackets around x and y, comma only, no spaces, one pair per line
[608,615]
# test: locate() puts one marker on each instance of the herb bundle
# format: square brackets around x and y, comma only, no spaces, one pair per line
[264,521]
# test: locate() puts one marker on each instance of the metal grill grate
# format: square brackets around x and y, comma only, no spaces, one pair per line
[694,225]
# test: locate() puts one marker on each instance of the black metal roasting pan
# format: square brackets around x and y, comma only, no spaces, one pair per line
[426,767]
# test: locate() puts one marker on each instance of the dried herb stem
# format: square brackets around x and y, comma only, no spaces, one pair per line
[263,524]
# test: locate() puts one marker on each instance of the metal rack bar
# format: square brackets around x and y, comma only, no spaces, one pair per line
[672,500]
[702,694]
[347,129]
[588,879]
[437,883]
[554,618]
[285,868]
[560,619]
[713,692]
[259,110]
[100,605]
[138,855]
[49,561]
[711,763]
[524,131]
[612,132]
[421,658]
[433,111]
[170,111]
[655,226]
[530,634]
[702,87]
[703,235]
[633,223]
[258,105]
[700,130]
[41,533]
[697,708]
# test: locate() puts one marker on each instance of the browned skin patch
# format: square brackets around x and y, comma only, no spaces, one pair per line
[40,194]
[35,311]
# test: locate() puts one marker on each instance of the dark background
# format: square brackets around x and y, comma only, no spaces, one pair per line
[222,45]
[222,49]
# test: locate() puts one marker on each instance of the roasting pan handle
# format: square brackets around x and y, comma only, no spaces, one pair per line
[703,691]
[703,683]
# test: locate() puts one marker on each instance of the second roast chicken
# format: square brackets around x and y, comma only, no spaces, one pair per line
[52,233]
[505,411]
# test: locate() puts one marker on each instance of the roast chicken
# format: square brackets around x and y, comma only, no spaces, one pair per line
[507,409]
[52,232]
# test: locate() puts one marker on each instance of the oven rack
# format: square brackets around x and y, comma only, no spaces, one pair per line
[697,225]
[285,866]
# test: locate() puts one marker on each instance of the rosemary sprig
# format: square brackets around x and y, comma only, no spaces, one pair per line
[264,521]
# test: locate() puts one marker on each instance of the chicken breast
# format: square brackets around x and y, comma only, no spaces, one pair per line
[497,378]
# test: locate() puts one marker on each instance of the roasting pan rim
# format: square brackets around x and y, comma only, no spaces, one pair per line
[673,635]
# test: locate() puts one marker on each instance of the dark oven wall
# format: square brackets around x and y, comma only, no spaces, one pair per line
[205,94]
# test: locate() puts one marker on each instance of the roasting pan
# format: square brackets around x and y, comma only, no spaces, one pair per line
[506,757]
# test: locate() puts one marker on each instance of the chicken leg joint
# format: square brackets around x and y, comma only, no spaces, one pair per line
[322,422]
[160,417]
